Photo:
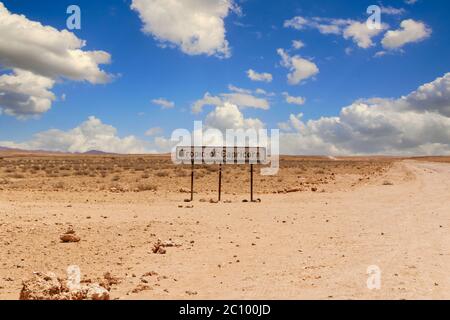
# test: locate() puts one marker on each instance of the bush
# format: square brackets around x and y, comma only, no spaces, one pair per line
[162,174]
[147,187]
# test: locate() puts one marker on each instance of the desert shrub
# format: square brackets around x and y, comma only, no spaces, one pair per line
[116,178]
[147,187]
[211,169]
[162,174]
[16,176]
[59,185]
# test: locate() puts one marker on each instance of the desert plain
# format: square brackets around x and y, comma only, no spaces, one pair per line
[319,225]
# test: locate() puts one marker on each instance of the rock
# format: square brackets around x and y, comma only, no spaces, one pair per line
[47,286]
[158,249]
[141,287]
[67,238]
[70,231]
[43,286]
[96,292]
[161,250]
[191,293]
[109,280]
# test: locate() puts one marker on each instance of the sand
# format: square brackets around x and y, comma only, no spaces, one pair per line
[292,245]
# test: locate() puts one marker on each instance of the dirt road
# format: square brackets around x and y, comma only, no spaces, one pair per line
[290,246]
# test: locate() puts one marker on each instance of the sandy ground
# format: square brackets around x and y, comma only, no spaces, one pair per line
[303,245]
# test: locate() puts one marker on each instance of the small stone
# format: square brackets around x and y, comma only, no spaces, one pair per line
[69,238]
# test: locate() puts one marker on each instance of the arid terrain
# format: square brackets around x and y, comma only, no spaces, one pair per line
[320,224]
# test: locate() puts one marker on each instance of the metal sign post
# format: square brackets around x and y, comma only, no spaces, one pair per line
[220,182]
[221,155]
[251,183]
[192,181]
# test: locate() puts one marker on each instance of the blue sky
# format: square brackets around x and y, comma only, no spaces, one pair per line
[144,70]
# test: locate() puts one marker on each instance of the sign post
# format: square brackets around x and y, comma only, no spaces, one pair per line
[221,155]
[251,183]
[220,182]
[192,181]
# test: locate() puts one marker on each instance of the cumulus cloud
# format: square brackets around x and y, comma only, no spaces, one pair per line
[300,68]
[46,51]
[195,26]
[348,28]
[242,98]
[228,116]
[416,124]
[410,31]
[37,55]
[361,34]
[90,135]
[294,100]
[255,76]
[23,93]
[164,103]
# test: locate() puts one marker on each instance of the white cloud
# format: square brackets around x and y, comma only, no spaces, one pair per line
[164,103]
[348,28]
[154,131]
[90,135]
[301,69]
[24,93]
[297,44]
[410,31]
[207,100]
[392,11]
[246,100]
[196,26]
[323,25]
[228,116]
[46,51]
[418,123]
[411,2]
[255,76]
[242,98]
[37,56]
[294,100]
[361,34]
[380,54]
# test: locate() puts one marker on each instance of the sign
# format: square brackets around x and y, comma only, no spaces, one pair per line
[221,155]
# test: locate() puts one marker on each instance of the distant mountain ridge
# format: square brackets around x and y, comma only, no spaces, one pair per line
[90,152]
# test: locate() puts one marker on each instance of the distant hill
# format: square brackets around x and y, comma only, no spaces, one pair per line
[10,149]
[96,152]
[21,151]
